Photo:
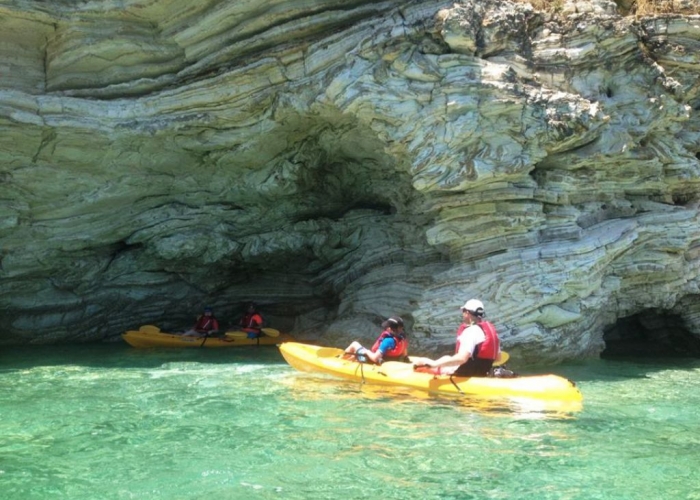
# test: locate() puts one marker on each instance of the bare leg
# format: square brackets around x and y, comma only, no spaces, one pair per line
[351,350]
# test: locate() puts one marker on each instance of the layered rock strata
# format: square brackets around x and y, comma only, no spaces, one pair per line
[341,162]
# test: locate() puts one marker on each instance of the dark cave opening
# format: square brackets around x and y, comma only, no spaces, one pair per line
[650,334]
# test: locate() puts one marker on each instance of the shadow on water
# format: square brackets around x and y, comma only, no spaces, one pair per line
[121,355]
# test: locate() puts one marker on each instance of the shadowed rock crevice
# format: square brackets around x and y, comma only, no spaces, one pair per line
[650,334]
[314,220]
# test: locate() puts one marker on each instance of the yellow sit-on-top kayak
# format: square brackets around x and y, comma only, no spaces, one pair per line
[311,358]
[151,336]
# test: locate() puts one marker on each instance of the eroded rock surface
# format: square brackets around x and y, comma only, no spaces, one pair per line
[341,162]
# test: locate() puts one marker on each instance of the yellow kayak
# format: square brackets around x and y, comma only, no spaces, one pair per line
[151,336]
[311,358]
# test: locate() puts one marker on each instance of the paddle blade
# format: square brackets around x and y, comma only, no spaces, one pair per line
[271,332]
[503,358]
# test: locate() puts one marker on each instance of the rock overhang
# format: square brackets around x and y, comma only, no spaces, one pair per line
[363,169]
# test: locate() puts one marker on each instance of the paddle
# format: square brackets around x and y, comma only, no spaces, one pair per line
[502,359]
[206,336]
[270,332]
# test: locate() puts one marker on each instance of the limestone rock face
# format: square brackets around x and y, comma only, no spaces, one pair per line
[342,162]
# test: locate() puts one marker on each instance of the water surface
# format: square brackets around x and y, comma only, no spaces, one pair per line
[114,422]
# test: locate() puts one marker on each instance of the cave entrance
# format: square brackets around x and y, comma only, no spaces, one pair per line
[650,334]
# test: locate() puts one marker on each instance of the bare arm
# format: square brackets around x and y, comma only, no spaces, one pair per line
[456,359]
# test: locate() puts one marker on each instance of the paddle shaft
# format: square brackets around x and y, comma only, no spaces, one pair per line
[502,359]
[270,332]
[206,336]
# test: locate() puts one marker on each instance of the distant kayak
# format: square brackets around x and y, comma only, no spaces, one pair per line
[311,358]
[151,336]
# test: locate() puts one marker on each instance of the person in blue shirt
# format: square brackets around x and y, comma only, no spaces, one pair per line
[391,345]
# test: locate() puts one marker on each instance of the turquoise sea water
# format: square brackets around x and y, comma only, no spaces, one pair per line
[113,422]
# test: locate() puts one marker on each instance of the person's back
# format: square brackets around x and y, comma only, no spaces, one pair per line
[475,366]
[484,339]
[476,349]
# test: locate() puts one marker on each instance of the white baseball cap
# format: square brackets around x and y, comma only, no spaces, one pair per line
[474,306]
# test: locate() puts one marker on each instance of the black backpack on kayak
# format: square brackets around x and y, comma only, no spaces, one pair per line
[502,372]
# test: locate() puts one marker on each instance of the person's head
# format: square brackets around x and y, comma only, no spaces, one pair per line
[251,307]
[395,323]
[473,310]
[208,311]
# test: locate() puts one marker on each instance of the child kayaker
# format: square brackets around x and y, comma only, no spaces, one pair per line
[390,345]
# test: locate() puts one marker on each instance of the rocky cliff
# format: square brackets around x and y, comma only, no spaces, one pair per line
[339,162]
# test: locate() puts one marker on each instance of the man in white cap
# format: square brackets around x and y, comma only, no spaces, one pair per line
[477,347]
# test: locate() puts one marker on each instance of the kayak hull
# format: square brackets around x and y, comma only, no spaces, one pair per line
[316,359]
[150,338]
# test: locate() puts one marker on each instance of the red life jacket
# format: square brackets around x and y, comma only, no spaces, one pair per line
[206,323]
[399,349]
[490,347]
[252,321]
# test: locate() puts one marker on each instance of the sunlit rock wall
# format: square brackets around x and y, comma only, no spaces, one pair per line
[341,162]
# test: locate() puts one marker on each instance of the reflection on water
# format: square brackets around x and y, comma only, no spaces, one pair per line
[114,423]
[309,386]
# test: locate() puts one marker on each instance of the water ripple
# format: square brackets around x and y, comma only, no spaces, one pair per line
[96,423]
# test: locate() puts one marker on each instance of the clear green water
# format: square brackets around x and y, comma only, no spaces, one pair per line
[113,422]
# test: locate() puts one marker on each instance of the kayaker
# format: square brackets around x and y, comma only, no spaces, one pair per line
[477,347]
[206,324]
[391,345]
[252,321]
